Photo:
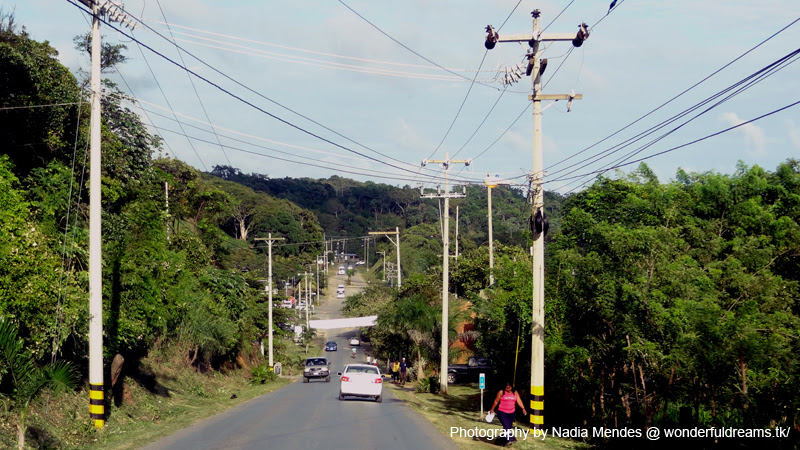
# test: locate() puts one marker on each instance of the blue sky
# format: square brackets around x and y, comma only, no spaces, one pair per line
[372,95]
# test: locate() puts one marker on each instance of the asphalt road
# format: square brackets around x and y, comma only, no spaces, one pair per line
[310,415]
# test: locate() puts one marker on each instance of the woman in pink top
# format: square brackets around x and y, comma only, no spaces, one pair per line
[508,399]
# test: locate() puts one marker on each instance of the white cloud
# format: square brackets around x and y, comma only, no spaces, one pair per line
[753,135]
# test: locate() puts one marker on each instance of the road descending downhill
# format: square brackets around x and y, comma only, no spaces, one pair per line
[310,415]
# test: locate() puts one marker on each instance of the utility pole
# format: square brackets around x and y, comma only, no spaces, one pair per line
[384,264]
[536,67]
[96,392]
[446,195]
[270,240]
[456,232]
[396,232]
[491,183]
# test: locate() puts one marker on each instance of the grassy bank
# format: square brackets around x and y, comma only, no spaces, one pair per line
[461,408]
[162,395]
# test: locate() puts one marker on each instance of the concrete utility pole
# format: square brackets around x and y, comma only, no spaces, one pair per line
[491,183]
[397,246]
[270,240]
[536,67]
[456,232]
[446,195]
[96,393]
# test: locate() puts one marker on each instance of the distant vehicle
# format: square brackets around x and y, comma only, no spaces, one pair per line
[318,367]
[331,346]
[340,288]
[341,270]
[349,267]
[361,380]
[340,295]
[286,303]
[298,333]
[474,366]
[360,263]
[354,342]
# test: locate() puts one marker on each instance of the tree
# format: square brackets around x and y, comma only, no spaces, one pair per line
[25,378]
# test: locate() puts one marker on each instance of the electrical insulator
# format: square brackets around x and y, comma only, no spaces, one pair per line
[583,34]
[491,37]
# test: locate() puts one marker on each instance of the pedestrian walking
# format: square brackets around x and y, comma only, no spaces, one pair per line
[403,372]
[395,371]
[507,399]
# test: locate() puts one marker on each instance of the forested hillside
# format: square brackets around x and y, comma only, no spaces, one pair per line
[349,208]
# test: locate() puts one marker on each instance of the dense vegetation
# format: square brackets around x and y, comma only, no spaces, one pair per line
[665,302]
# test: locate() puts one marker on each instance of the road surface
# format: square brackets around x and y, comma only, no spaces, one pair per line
[310,415]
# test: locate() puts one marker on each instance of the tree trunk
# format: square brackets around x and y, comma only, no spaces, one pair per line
[669,388]
[591,387]
[603,396]
[743,370]
[633,366]
[20,436]
[644,390]
[420,370]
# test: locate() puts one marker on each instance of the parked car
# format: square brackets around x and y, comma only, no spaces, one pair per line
[474,366]
[331,346]
[360,263]
[355,342]
[340,295]
[349,267]
[361,380]
[318,367]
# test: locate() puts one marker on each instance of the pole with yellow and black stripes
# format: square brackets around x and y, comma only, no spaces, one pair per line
[97,405]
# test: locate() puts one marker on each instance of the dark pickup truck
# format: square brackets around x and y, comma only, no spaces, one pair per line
[469,371]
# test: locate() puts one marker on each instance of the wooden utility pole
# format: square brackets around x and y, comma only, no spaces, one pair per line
[536,67]
[446,195]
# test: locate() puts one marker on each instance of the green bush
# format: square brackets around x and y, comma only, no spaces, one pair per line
[261,374]
[424,385]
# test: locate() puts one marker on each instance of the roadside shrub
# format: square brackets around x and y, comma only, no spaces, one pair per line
[261,374]
[423,385]
[428,384]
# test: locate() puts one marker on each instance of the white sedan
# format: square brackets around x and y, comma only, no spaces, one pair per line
[361,380]
[354,342]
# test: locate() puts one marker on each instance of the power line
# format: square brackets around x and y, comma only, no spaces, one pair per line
[675,97]
[163,94]
[742,85]
[284,121]
[600,172]
[406,47]
[191,81]
[238,83]
[349,170]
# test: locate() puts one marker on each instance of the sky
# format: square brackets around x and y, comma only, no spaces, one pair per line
[368,90]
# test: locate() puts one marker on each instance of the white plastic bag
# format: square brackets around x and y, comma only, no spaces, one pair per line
[489,417]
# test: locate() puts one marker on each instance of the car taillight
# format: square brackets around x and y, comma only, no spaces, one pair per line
[345,378]
[377,380]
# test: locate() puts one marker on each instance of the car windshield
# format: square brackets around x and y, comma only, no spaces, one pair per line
[316,362]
